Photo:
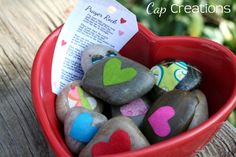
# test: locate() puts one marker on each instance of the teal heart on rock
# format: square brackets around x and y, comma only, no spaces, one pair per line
[82,129]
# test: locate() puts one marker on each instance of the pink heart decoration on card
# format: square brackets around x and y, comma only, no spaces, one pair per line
[121,33]
[54,84]
[63,43]
[122,21]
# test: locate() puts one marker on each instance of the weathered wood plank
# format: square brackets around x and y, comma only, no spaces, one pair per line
[222,145]
[24,25]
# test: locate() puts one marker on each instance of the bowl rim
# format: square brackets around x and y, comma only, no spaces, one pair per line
[57,146]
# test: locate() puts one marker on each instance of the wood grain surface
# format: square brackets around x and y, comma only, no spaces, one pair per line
[24,24]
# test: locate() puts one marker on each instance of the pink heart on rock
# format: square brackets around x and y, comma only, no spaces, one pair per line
[159,120]
[135,108]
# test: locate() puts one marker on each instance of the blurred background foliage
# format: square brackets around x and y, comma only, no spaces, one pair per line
[219,27]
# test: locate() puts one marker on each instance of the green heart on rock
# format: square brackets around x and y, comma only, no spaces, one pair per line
[113,74]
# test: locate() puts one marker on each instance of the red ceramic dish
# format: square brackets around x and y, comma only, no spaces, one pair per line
[217,63]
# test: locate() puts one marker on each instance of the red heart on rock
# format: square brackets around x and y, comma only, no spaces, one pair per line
[119,142]
[122,21]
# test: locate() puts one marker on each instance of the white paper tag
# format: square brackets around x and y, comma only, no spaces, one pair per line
[104,22]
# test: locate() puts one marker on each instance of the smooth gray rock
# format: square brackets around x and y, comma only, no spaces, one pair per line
[118,80]
[192,80]
[117,135]
[94,54]
[170,115]
[201,113]
[80,126]
[70,97]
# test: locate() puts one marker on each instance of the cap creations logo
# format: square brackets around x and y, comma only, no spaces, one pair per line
[152,8]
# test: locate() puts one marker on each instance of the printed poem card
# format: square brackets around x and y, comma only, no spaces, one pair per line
[104,22]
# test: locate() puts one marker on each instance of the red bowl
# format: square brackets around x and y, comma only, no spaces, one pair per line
[217,63]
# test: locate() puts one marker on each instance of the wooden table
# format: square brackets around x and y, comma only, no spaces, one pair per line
[24,24]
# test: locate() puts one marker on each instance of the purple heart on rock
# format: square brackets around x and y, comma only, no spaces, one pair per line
[135,108]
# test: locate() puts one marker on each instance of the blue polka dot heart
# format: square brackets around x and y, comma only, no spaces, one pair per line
[82,129]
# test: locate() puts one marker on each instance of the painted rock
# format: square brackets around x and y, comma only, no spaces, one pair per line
[170,115]
[94,54]
[117,135]
[134,110]
[174,75]
[118,80]
[73,95]
[201,111]
[80,126]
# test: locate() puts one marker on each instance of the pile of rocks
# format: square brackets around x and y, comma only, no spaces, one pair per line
[143,106]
